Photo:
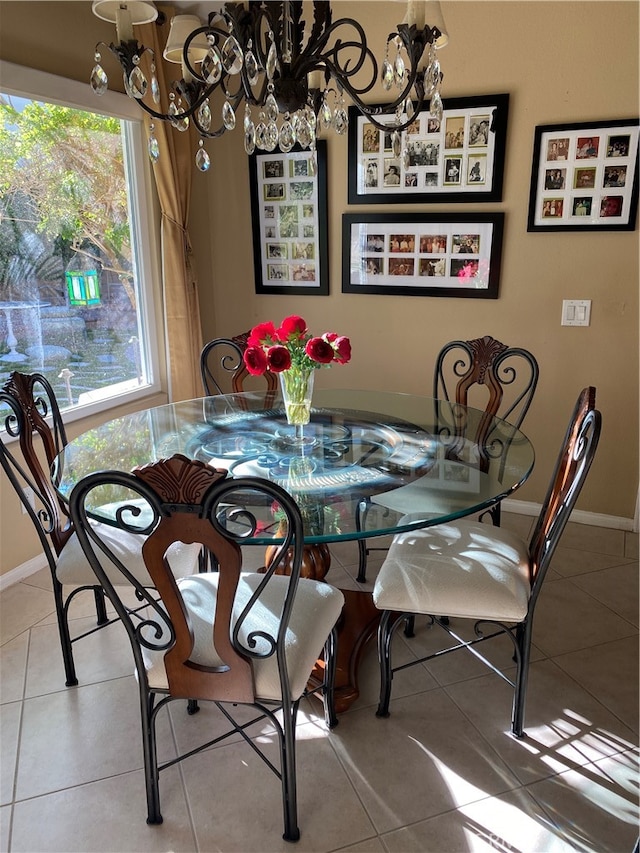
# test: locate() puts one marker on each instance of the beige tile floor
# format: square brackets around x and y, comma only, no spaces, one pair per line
[440,774]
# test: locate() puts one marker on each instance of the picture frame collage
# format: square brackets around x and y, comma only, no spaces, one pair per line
[422,254]
[458,158]
[585,177]
[289,218]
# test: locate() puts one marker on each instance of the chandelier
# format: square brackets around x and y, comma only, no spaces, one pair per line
[292,79]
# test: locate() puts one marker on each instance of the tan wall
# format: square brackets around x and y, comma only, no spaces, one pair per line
[559,61]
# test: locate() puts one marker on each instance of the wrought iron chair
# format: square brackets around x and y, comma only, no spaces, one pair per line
[32,418]
[229,637]
[485,374]
[223,371]
[482,572]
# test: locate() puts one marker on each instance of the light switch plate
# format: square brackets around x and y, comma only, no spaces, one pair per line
[576,312]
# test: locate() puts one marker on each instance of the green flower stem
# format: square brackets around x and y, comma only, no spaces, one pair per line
[297,389]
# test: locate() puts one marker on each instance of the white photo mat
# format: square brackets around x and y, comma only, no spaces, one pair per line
[418,254]
[585,177]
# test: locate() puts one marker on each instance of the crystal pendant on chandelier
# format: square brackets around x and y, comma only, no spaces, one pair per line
[203,161]
[155,88]
[228,116]
[287,135]
[152,145]
[178,118]
[272,59]
[271,106]
[212,66]
[261,133]
[251,66]
[137,83]
[249,137]
[387,76]
[399,71]
[396,144]
[341,121]
[232,56]
[435,107]
[325,116]
[271,140]
[99,81]
[203,116]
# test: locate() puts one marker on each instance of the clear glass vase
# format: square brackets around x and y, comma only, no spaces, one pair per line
[297,391]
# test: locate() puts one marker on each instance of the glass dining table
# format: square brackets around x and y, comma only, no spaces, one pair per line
[369,464]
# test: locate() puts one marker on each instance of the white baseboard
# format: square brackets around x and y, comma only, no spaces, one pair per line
[595,519]
[23,571]
[578,516]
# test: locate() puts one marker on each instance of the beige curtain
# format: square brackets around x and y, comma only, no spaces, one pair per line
[173,174]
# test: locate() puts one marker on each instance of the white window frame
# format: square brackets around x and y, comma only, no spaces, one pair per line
[25,82]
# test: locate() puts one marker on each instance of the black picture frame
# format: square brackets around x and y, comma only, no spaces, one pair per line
[584,176]
[469,142]
[289,222]
[446,254]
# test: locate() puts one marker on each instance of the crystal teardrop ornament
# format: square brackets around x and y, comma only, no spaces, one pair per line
[387,76]
[232,56]
[272,61]
[396,144]
[399,71]
[325,117]
[340,121]
[203,161]
[287,137]
[251,67]
[212,66]
[409,108]
[271,136]
[99,81]
[249,137]
[434,76]
[310,117]
[261,135]
[155,89]
[247,117]
[137,83]
[435,107]
[271,107]
[228,116]
[204,116]
[177,118]
[154,149]
[304,132]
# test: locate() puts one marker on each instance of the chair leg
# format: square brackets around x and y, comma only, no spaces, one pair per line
[149,749]
[101,607]
[361,514]
[523,655]
[288,772]
[71,678]
[328,691]
[385,631]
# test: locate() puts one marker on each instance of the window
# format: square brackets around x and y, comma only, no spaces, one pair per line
[76,259]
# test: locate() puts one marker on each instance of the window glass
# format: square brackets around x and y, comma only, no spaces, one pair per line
[71,301]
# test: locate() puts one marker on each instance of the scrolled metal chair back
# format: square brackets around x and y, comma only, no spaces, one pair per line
[179,500]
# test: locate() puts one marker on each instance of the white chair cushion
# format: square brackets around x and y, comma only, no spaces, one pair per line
[463,569]
[72,567]
[316,609]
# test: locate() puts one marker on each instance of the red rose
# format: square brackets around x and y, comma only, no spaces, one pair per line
[292,325]
[278,358]
[342,347]
[319,350]
[255,360]
[260,333]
